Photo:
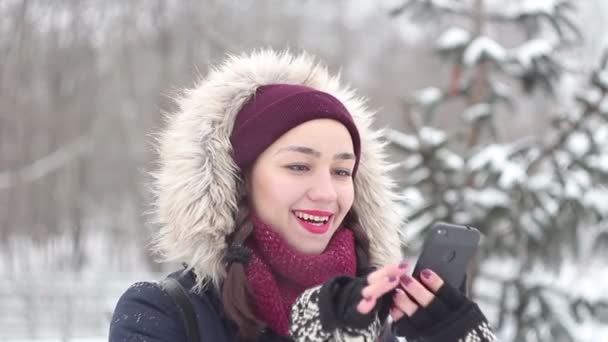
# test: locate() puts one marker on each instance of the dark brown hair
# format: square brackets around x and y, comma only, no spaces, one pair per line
[236,293]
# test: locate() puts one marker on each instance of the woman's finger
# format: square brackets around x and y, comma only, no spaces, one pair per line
[431,280]
[387,271]
[366,305]
[396,313]
[380,282]
[404,303]
[380,287]
[416,290]
[383,280]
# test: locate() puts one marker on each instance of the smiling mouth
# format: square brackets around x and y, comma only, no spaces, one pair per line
[316,224]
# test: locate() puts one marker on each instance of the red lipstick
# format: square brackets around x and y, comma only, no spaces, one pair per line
[316,212]
[315,228]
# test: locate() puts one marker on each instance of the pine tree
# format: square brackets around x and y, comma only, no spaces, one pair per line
[541,201]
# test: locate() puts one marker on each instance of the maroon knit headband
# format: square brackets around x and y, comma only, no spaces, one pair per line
[277,108]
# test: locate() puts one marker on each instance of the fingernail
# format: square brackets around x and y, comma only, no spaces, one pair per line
[368,298]
[406,280]
[426,274]
[403,265]
[392,278]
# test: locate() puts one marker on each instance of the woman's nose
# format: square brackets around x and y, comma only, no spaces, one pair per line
[322,189]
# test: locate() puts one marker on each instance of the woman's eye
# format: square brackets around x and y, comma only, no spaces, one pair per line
[343,173]
[297,167]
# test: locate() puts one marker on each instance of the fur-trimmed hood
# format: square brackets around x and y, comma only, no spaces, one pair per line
[198,186]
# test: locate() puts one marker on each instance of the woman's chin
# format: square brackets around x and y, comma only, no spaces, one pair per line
[312,245]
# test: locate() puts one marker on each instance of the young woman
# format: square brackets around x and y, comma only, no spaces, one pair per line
[273,191]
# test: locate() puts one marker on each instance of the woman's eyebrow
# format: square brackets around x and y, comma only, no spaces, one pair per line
[300,149]
[315,153]
[344,156]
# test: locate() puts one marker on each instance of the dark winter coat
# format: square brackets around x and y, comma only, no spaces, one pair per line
[145,312]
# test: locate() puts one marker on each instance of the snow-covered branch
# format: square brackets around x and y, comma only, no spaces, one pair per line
[47,164]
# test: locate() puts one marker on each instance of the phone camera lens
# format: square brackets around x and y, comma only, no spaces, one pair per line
[441,231]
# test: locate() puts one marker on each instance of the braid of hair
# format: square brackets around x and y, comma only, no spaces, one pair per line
[235,289]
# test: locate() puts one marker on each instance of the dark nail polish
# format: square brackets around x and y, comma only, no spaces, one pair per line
[392,278]
[406,280]
[426,274]
[403,265]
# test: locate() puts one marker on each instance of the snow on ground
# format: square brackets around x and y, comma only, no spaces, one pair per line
[61,307]
[42,300]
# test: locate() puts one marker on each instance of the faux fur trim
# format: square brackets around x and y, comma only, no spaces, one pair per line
[197,186]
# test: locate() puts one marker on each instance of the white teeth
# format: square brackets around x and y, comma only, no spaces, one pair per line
[312,217]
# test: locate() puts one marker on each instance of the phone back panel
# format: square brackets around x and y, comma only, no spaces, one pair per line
[447,251]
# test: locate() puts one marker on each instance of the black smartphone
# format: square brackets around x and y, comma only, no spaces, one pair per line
[447,250]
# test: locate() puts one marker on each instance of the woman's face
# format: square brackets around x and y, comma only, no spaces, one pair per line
[302,184]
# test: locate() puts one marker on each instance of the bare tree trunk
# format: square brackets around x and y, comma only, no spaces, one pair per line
[479,87]
[478,95]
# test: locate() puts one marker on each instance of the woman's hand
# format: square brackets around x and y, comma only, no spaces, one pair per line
[394,277]
[379,283]
[420,294]
[430,310]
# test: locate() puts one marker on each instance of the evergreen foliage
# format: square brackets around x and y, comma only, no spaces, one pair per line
[540,201]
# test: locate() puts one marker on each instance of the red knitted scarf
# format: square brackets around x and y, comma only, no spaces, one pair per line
[278,274]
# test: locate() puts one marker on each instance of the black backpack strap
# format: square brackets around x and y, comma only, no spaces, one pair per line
[181,298]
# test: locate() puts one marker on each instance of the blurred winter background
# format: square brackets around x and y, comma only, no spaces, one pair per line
[498,116]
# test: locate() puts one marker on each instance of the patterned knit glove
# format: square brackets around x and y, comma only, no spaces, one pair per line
[328,313]
[450,317]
